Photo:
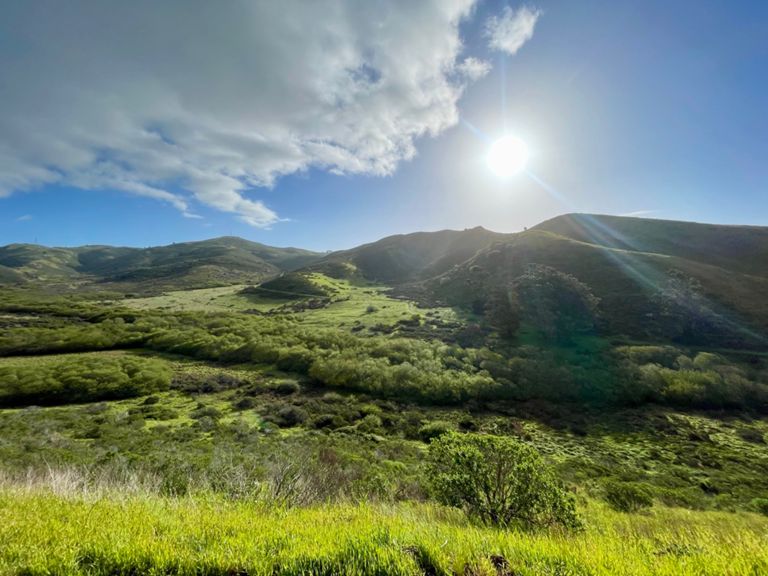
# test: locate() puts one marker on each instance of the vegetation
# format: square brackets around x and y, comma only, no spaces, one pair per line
[80,379]
[119,533]
[628,497]
[572,383]
[499,480]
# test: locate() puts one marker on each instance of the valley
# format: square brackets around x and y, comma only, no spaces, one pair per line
[273,395]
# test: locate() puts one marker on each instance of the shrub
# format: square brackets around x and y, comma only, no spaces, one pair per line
[290,416]
[370,423]
[287,387]
[203,411]
[245,403]
[82,379]
[434,429]
[760,505]
[328,421]
[627,496]
[499,480]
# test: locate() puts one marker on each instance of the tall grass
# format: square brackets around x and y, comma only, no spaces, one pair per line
[47,527]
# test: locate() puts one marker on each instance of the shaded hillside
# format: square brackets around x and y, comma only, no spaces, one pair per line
[740,248]
[629,284]
[190,264]
[410,257]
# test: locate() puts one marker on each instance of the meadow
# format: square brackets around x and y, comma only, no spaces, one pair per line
[58,530]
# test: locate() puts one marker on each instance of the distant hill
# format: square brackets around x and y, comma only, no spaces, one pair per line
[626,262]
[183,265]
[410,257]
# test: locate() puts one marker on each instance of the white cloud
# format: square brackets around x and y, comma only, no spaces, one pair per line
[473,69]
[24,218]
[508,32]
[197,102]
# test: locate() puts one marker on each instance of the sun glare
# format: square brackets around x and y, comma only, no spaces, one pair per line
[508,156]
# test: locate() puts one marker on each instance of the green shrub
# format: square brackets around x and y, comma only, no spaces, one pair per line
[287,387]
[627,496]
[83,379]
[434,429]
[760,505]
[245,403]
[203,411]
[331,421]
[499,480]
[370,423]
[290,416]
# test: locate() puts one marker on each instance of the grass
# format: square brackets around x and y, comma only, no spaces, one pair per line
[353,305]
[225,298]
[367,305]
[43,532]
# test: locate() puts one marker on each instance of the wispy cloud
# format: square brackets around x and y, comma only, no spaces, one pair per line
[473,68]
[24,218]
[508,32]
[207,105]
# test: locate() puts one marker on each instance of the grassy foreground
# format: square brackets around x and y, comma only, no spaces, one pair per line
[45,533]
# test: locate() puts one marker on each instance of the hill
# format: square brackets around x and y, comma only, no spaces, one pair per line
[632,265]
[653,278]
[185,265]
[627,283]
[742,249]
[409,257]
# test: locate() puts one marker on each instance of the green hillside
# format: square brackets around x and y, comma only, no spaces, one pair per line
[627,283]
[742,249]
[408,257]
[224,260]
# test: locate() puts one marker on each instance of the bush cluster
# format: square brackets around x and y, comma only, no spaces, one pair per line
[84,379]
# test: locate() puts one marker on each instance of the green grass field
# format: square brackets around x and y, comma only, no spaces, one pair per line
[352,305]
[42,532]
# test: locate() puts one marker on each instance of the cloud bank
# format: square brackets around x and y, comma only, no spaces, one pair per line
[508,32]
[197,102]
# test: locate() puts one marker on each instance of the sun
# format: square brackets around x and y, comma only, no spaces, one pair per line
[507,156]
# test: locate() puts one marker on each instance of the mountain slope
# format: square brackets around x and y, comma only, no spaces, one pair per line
[739,248]
[410,257]
[627,282]
[208,262]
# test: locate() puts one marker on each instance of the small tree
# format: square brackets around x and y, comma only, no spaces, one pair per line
[503,311]
[557,304]
[500,480]
[685,312]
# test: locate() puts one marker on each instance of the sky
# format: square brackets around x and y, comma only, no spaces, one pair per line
[332,123]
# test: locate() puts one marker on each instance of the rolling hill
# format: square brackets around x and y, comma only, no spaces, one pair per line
[625,262]
[410,257]
[628,263]
[743,249]
[626,282]
[184,265]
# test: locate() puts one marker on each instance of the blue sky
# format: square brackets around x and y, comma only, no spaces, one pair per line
[649,108]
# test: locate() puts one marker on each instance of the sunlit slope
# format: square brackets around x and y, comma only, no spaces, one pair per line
[190,264]
[739,248]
